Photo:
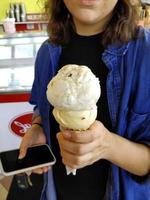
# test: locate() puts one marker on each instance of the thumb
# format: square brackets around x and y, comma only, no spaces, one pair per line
[66,132]
[23,150]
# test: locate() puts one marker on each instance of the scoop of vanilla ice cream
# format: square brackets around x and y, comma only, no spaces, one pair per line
[74,88]
[75,120]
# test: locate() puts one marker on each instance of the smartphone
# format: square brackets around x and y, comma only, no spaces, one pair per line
[37,156]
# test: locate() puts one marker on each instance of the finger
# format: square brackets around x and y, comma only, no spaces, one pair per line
[76,162]
[38,171]
[25,144]
[45,169]
[76,148]
[81,136]
[81,161]
[89,135]
[67,145]
[41,170]
[23,149]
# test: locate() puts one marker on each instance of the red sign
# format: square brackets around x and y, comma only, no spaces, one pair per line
[20,124]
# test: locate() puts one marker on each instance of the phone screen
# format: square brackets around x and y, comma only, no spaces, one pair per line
[36,155]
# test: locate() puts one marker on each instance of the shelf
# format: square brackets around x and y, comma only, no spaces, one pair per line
[28,26]
[28,22]
[32,22]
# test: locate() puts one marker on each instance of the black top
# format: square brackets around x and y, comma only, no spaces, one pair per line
[89,182]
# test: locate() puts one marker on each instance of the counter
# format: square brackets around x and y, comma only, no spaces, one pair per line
[23,35]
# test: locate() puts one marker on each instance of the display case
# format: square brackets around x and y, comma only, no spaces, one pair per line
[17,57]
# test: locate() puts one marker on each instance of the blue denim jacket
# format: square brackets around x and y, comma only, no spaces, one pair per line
[128,92]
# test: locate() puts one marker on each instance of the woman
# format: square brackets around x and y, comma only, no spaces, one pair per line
[113,156]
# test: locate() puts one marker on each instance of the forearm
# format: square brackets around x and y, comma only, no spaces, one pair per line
[128,155]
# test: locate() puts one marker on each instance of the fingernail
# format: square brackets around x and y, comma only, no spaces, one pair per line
[67,134]
[20,156]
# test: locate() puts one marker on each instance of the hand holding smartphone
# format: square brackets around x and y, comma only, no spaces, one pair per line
[37,156]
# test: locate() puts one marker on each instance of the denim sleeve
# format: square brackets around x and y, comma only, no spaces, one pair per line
[36,113]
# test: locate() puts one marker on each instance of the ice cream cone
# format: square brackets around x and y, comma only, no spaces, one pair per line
[74,92]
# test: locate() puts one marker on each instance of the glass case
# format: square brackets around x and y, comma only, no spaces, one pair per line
[17,57]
